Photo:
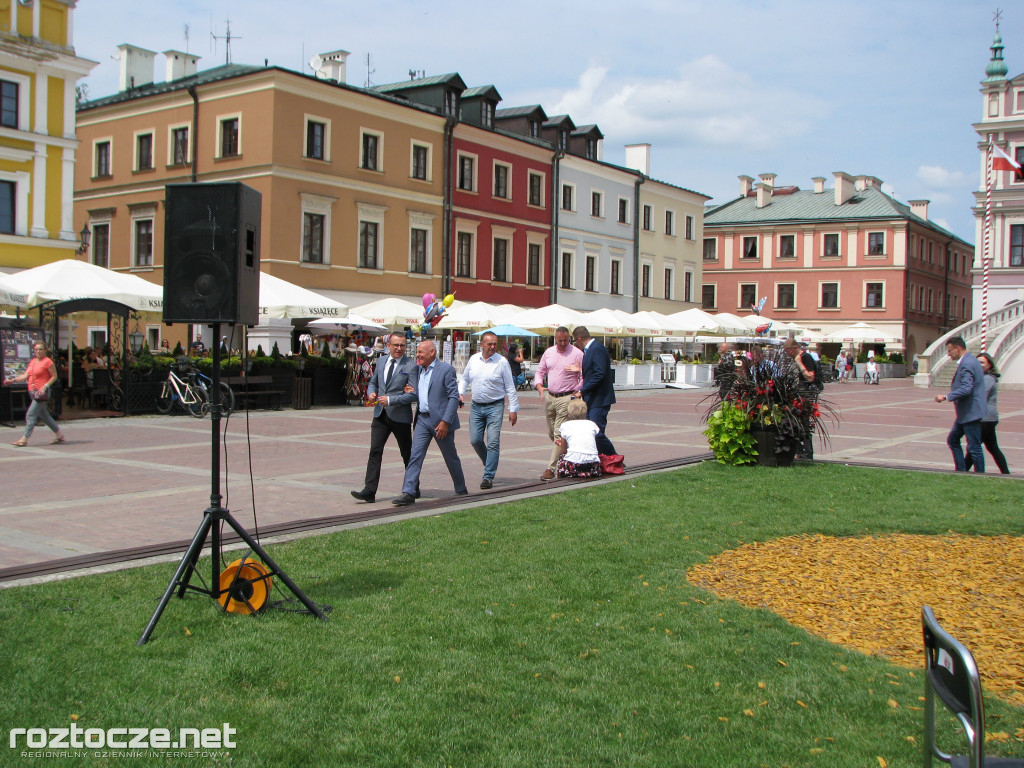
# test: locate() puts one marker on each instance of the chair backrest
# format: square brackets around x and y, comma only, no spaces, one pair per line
[951,675]
[100,379]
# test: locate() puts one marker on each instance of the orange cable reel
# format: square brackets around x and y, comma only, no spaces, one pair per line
[245,586]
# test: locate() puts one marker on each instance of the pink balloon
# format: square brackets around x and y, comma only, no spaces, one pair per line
[428,299]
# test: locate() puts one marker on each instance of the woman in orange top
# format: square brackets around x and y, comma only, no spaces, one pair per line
[40,375]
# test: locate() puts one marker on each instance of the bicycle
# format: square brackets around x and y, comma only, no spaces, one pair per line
[227,396]
[187,394]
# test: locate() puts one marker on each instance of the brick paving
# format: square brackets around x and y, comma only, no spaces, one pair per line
[128,482]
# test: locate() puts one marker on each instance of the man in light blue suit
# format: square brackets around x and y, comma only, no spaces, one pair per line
[437,419]
[967,393]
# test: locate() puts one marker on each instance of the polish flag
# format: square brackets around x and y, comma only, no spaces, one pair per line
[1003,162]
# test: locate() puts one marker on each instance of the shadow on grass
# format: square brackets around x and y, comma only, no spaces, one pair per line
[359,584]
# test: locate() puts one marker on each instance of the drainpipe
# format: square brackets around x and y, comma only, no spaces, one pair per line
[195,132]
[636,242]
[448,219]
[946,301]
[555,204]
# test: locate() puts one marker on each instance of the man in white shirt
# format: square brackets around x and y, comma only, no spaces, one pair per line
[489,376]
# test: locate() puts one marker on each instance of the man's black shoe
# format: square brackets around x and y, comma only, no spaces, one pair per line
[404,500]
[462,493]
[363,495]
[485,484]
[417,494]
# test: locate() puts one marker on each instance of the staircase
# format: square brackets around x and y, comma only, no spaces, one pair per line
[1005,339]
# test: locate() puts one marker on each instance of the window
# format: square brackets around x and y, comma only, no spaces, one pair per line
[689,227]
[591,270]
[143,243]
[501,180]
[536,196]
[707,296]
[467,173]
[595,203]
[144,152]
[102,159]
[748,294]
[567,190]
[1017,245]
[371,152]
[930,301]
[7,218]
[920,300]
[931,253]
[623,211]
[831,245]
[8,104]
[616,287]
[710,249]
[749,248]
[534,129]
[500,263]
[876,243]
[313,238]
[670,222]
[668,283]
[785,296]
[591,150]
[645,281]
[566,269]
[420,161]
[179,146]
[464,255]
[873,295]
[687,287]
[99,251]
[830,295]
[418,250]
[229,137]
[368,231]
[787,246]
[1018,153]
[316,134]
[647,218]
[487,115]
[921,241]
[533,264]
[451,102]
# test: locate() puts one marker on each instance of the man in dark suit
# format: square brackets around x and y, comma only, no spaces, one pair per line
[393,412]
[437,395]
[598,390]
[968,395]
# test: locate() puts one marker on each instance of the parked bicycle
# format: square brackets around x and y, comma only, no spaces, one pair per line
[191,393]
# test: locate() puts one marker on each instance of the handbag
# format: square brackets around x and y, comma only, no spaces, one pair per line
[612,464]
[40,395]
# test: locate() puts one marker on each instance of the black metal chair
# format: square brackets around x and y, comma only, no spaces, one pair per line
[951,675]
[101,387]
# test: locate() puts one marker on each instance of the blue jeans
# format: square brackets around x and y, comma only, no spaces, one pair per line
[485,434]
[37,411]
[973,431]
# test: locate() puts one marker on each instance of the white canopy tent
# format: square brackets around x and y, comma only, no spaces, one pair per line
[391,312]
[860,333]
[546,319]
[10,296]
[693,321]
[280,300]
[70,279]
[462,315]
[343,325]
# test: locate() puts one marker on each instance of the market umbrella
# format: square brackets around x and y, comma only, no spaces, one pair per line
[468,315]
[280,299]
[70,279]
[547,319]
[859,333]
[350,322]
[638,323]
[753,321]
[507,330]
[603,322]
[694,321]
[11,296]
[391,312]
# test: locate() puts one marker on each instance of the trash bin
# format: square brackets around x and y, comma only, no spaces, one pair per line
[302,394]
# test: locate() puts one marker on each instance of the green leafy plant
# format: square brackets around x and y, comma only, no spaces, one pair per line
[728,434]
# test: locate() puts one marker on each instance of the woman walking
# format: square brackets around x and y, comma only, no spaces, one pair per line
[40,375]
[991,418]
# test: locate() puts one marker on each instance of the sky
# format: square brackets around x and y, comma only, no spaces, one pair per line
[799,88]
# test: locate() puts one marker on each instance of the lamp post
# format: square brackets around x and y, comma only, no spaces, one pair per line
[86,236]
[135,339]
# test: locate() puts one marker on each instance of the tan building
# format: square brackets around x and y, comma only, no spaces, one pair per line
[351,181]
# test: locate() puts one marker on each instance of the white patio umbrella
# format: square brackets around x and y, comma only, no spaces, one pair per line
[350,322]
[547,319]
[692,321]
[280,299]
[11,296]
[638,324]
[603,322]
[391,312]
[753,321]
[731,323]
[859,333]
[70,279]
[463,315]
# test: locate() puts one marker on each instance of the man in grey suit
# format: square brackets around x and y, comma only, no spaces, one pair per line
[437,395]
[393,412]
[967,393]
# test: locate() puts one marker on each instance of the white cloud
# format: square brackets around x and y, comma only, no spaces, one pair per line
[706,103]
[937,177]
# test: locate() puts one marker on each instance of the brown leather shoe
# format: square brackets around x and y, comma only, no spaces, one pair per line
[548,475]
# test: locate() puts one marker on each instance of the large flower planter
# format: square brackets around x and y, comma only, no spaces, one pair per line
[767,453]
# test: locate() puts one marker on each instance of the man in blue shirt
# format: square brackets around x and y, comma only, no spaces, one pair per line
[967,393]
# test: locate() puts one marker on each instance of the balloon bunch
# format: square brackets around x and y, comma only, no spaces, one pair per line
[762,330]
[433,310]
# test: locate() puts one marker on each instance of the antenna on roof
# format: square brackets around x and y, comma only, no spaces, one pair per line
[227,38]
[186,38]
[998,15]
[417,74]
[369,71]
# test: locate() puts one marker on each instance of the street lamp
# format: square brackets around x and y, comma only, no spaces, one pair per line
[135,339]
[86,236]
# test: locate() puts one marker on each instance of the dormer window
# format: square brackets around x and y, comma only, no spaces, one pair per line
[563,140]
[451,102]
[534,129]
[487,115]
[591,149]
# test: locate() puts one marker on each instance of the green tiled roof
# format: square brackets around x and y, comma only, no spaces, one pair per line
[519,111]
[423,82]
[211,75]
[806,206]
[481,90]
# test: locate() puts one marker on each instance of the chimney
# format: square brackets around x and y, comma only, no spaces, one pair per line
[178,65]
[844,187]
[872,181]
[860,183]
[819,184]
[767,178]
[136,66]
[920,208]
[331,66]
[746,184]
[764,194]
[638,157]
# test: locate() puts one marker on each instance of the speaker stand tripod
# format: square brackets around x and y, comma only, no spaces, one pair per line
[214,516]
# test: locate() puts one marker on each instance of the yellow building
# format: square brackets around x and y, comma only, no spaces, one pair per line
[38,71]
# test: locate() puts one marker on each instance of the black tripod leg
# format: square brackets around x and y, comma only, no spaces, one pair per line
[187,563]
[255,547]
[193,560]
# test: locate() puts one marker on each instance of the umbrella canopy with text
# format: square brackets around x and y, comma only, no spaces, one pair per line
[859,333]
[280,299]
[10,296]
[70,279]
[351,322]
[391,312]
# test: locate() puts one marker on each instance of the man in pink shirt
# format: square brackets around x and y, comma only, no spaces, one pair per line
[563,366]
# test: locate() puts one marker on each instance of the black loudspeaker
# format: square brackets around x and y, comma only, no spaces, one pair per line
[212,253]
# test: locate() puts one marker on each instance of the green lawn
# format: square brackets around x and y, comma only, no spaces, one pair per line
[558,631]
